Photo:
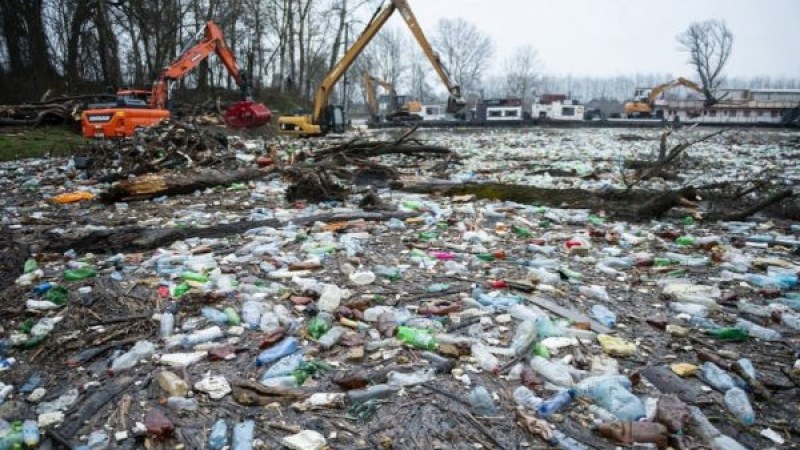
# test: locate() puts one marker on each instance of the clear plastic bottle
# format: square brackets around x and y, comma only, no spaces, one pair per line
[269,322]
[376,392]
[98,440]
[757,331]
[284,366]
[198,337]
[182,404]
[791,321]
[611,393]
[481,402]
[331,337]
[251,313]
[604,315]
[218,437]
[716,377]
[691,309]
[555,373]
[141,350]
[753,310]
[214,315]
[167,324]
[30,433]
[526,398]
[739,405]
[243,435]
[565,442]
[595,292]
[485,359]
[524,336]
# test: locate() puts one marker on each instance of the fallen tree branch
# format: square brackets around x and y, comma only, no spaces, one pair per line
[744,214]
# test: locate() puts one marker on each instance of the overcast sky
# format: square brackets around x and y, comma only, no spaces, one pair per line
[608,37]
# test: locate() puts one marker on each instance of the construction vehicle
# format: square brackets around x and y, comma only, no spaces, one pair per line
[325,117]
[142,108]
[644,103]
[401,107]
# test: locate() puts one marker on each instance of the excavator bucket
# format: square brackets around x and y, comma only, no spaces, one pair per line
[455,105]
[247,114]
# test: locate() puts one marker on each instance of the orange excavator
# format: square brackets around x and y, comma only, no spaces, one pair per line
[142,108]
[643,104]
[402,107]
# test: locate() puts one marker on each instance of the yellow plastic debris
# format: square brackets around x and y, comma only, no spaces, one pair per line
[616,346]
[73,197]
[684,369]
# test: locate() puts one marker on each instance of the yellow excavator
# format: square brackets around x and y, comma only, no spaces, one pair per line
[643,104]
[325,117]
[401,107]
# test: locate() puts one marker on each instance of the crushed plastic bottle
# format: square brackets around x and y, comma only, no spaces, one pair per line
[739,405]
[481,402]
[243,433]
[141,350]
[283,348]
[218,437]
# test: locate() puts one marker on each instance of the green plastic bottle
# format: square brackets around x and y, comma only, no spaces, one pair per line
[541,350]
[570,274]
[688,220]
[662,262]
[179,290]
[79,274]
[57,294]
[412,205]
[594,220]
[522,232]
[437,287]
[318,326]
[428,235]
[420,339]
[193,276]
[730,334]
[30,265]
[488,257]
[232,315]
[685,240]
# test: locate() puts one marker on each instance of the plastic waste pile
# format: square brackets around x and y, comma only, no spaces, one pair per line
[552,320]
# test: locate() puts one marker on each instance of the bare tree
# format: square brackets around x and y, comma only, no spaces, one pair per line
[709,44]
[464,50]
[522,70]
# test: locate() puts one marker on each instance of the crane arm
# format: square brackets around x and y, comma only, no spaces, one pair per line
[456,102]
[680,81]
[325,89]
[213,41]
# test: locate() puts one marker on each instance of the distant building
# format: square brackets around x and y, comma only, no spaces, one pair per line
[736,106]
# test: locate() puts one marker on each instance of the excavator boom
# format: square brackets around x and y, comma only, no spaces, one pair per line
[644,107]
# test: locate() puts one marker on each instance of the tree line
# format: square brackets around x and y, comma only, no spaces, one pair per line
[81,46]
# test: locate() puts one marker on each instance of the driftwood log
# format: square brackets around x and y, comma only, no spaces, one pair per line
[133,238]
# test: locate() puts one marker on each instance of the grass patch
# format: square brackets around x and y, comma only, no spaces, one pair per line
[38,142]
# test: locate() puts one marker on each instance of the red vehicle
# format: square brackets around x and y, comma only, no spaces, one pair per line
[141,108]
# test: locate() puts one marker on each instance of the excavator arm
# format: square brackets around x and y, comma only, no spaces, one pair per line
[212,42]
[372,99]
[456,102]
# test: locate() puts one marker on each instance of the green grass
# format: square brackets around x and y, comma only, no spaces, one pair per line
[38,142]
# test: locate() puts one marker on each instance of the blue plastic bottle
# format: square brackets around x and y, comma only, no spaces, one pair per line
[214,315]
[604,316]
[283,348]
[243,435]
[218,437]
[554,404]
[30,433]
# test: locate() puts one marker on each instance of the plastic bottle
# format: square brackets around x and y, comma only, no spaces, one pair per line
[716,377]
[330,298]
[526,313]
[395,378]
[739,405]
[167,324]
[243,435]
[595,292]
[201,336]
[30,433]
[754,310]
[555,373]
[526,398]
[421,339]
[485,359]
[182,404]
[270,322]
[376,392]
[141,350]
[481,402]
[757,331]
[172,384]
[730,334]
[565,442]
[555,403]
[331,337]
[604,315]
[319,325]
[283,348]
[284,366]
[214,315]
[612,394]
[251,313]
[791,320]
[232,316]
[524,336]
[218,437]
[79,274]
[98,440]
[692,309]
